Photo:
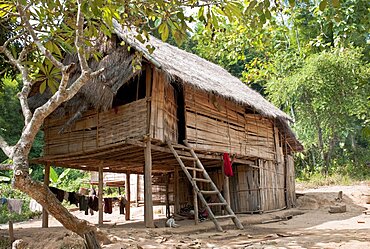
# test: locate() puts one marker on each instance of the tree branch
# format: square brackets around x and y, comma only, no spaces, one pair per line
[36,40]
[8,150]
[78,40]
[6,167]
[27,84]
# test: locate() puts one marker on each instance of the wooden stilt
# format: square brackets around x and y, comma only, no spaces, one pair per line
[128,196]
[226,188]
[168,213]
[137,190]
[100,194]
[148,201]
[176,190]
[45,215]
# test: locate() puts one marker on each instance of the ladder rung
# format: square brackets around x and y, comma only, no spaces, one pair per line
[217,204]
[196,169]
[201,180]
[225,216]
[209,192]
[188,158]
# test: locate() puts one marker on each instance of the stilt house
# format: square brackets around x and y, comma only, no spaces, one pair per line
[176,116]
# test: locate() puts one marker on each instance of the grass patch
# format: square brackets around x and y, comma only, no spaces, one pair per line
[317,179]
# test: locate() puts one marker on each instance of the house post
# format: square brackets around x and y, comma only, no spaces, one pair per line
[148,200]
[128,196]
[226,187]
[176,190]
[100,194]
[45,215]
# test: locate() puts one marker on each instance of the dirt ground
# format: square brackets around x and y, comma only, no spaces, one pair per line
[310,225]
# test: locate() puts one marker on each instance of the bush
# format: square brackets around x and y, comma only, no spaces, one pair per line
[7,191]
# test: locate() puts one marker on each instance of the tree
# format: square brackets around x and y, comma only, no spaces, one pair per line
[275,42]
[329,94]
[49,29]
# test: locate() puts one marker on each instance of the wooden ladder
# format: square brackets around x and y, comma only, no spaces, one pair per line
[194,178]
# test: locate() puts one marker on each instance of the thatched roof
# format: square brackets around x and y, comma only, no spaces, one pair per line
[200,73]
[191,69]
[100,91]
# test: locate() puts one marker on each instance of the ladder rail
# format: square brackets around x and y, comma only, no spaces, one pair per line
[208,179]
[195,186]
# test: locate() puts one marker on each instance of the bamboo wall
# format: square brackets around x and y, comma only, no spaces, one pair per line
[245,189]
[162,185]
[96,130]
[164,120]
[219,125]
[290,178]
[272,185]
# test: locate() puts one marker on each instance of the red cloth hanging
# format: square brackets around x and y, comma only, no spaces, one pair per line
[227,165]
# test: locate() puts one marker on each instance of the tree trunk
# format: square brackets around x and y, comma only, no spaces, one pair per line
[47,199]
[330,152]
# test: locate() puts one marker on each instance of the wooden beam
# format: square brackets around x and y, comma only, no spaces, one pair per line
[100,193]
[128,196]
[45,215]
[148,201]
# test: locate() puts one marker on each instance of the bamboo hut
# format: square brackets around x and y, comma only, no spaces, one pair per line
[172,121]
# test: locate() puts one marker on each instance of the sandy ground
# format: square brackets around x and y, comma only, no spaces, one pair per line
[311,226]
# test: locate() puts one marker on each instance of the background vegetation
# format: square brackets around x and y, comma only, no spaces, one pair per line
[311,59]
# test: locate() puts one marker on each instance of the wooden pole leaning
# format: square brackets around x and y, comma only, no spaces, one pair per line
[45,214]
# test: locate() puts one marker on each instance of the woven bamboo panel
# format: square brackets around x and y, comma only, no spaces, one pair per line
[245,189]
[96,130]
[164,120]
[272,185]
[291,197]
[159,189]
[219,125]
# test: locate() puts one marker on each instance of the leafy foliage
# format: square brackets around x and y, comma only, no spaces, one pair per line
[311,59]
[8,192]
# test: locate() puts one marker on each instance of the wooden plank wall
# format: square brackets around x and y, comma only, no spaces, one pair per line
[218,125]
[245,189]
[272,181]
[159,190]
[163,123]
[290,182]
[96,130]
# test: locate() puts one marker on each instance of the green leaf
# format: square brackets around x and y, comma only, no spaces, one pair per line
[157,22]
[42,87]
[105,30]
[292,3]
[53,175]
[201,13]
[336,3]
[164,31]
[323,5]
[267,14]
